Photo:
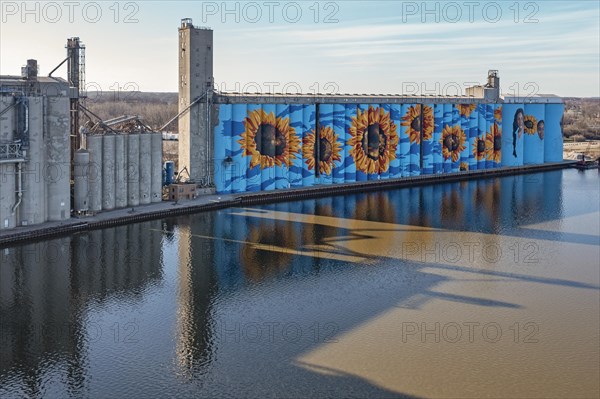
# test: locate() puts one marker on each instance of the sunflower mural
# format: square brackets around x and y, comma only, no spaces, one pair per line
[479,149]
[530,124]
[373,140]
[269,140]
[465,109]
[412,121]
[493,140]
[329,149]
[498,114]
[453,142]
[464,166]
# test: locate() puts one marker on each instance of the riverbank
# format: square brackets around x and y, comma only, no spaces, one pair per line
[217,201]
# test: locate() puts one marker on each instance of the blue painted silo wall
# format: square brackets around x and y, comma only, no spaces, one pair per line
[240,162]
[261,147]
[396,163]
[253,174]
[473,136]
[349,165]
[533,152]
[512,137]
[427,143]
[404,130]
[296,123]
[553,138]
[308,133]
[438,117]
[339,128]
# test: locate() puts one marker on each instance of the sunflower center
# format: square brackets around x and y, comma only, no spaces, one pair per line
[373,140]
[269,140]
[480,146]
[451,142]
[529,124]
[497,143]
[325,149]
[416,124]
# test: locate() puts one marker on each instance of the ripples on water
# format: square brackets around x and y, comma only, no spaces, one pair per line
[359,295]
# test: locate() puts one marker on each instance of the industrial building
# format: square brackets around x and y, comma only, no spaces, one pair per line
[52,168]
[35,152]
[241,142]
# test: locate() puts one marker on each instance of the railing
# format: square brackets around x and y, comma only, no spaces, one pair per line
[11,152]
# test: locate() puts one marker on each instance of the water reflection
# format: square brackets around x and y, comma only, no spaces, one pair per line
[339,261]
[47,288]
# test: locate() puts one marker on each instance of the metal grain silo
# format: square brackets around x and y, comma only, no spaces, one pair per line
[473,135]
[240,160]
[94,147]
[404,141]
[489,143]
[427,138]
[415,147]
[253,173]
[282,179]
[339,116]
[81,160]
[464,113]
[295,172]
[267,171]
[133,170]
[58,159]
[553,140]
[482,126]
[384,161]
[156,188]
[308,122]
[533,142]
[395,111]
[325,140]
[361,166]
[145,167]
[7,170]
[33,205]
[438,117]
[120,171]
[108,172]
[447,160]
[455,157]
[512,134]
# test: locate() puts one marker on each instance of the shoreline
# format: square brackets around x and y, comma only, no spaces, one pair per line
[211,202]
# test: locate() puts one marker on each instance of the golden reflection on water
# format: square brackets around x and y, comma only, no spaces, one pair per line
[482,288]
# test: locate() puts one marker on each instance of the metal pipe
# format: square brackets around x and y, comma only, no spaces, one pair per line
[58,66]
[183,110]
[208,147]
[19,189]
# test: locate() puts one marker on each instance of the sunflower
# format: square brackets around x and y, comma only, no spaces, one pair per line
[329,149]
[412,120]
[269,140]
[493,140]
[465,109]
[498,114]
[453,142]
[374,139]
[530,124]
[463,166]
[479,149]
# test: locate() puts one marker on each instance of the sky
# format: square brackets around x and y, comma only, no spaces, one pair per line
[391,47]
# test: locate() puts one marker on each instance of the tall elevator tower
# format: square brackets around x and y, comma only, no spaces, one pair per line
[195,98]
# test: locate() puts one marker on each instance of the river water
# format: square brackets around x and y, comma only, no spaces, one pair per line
[486,288]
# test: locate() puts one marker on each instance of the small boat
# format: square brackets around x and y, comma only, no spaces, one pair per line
[585,162]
